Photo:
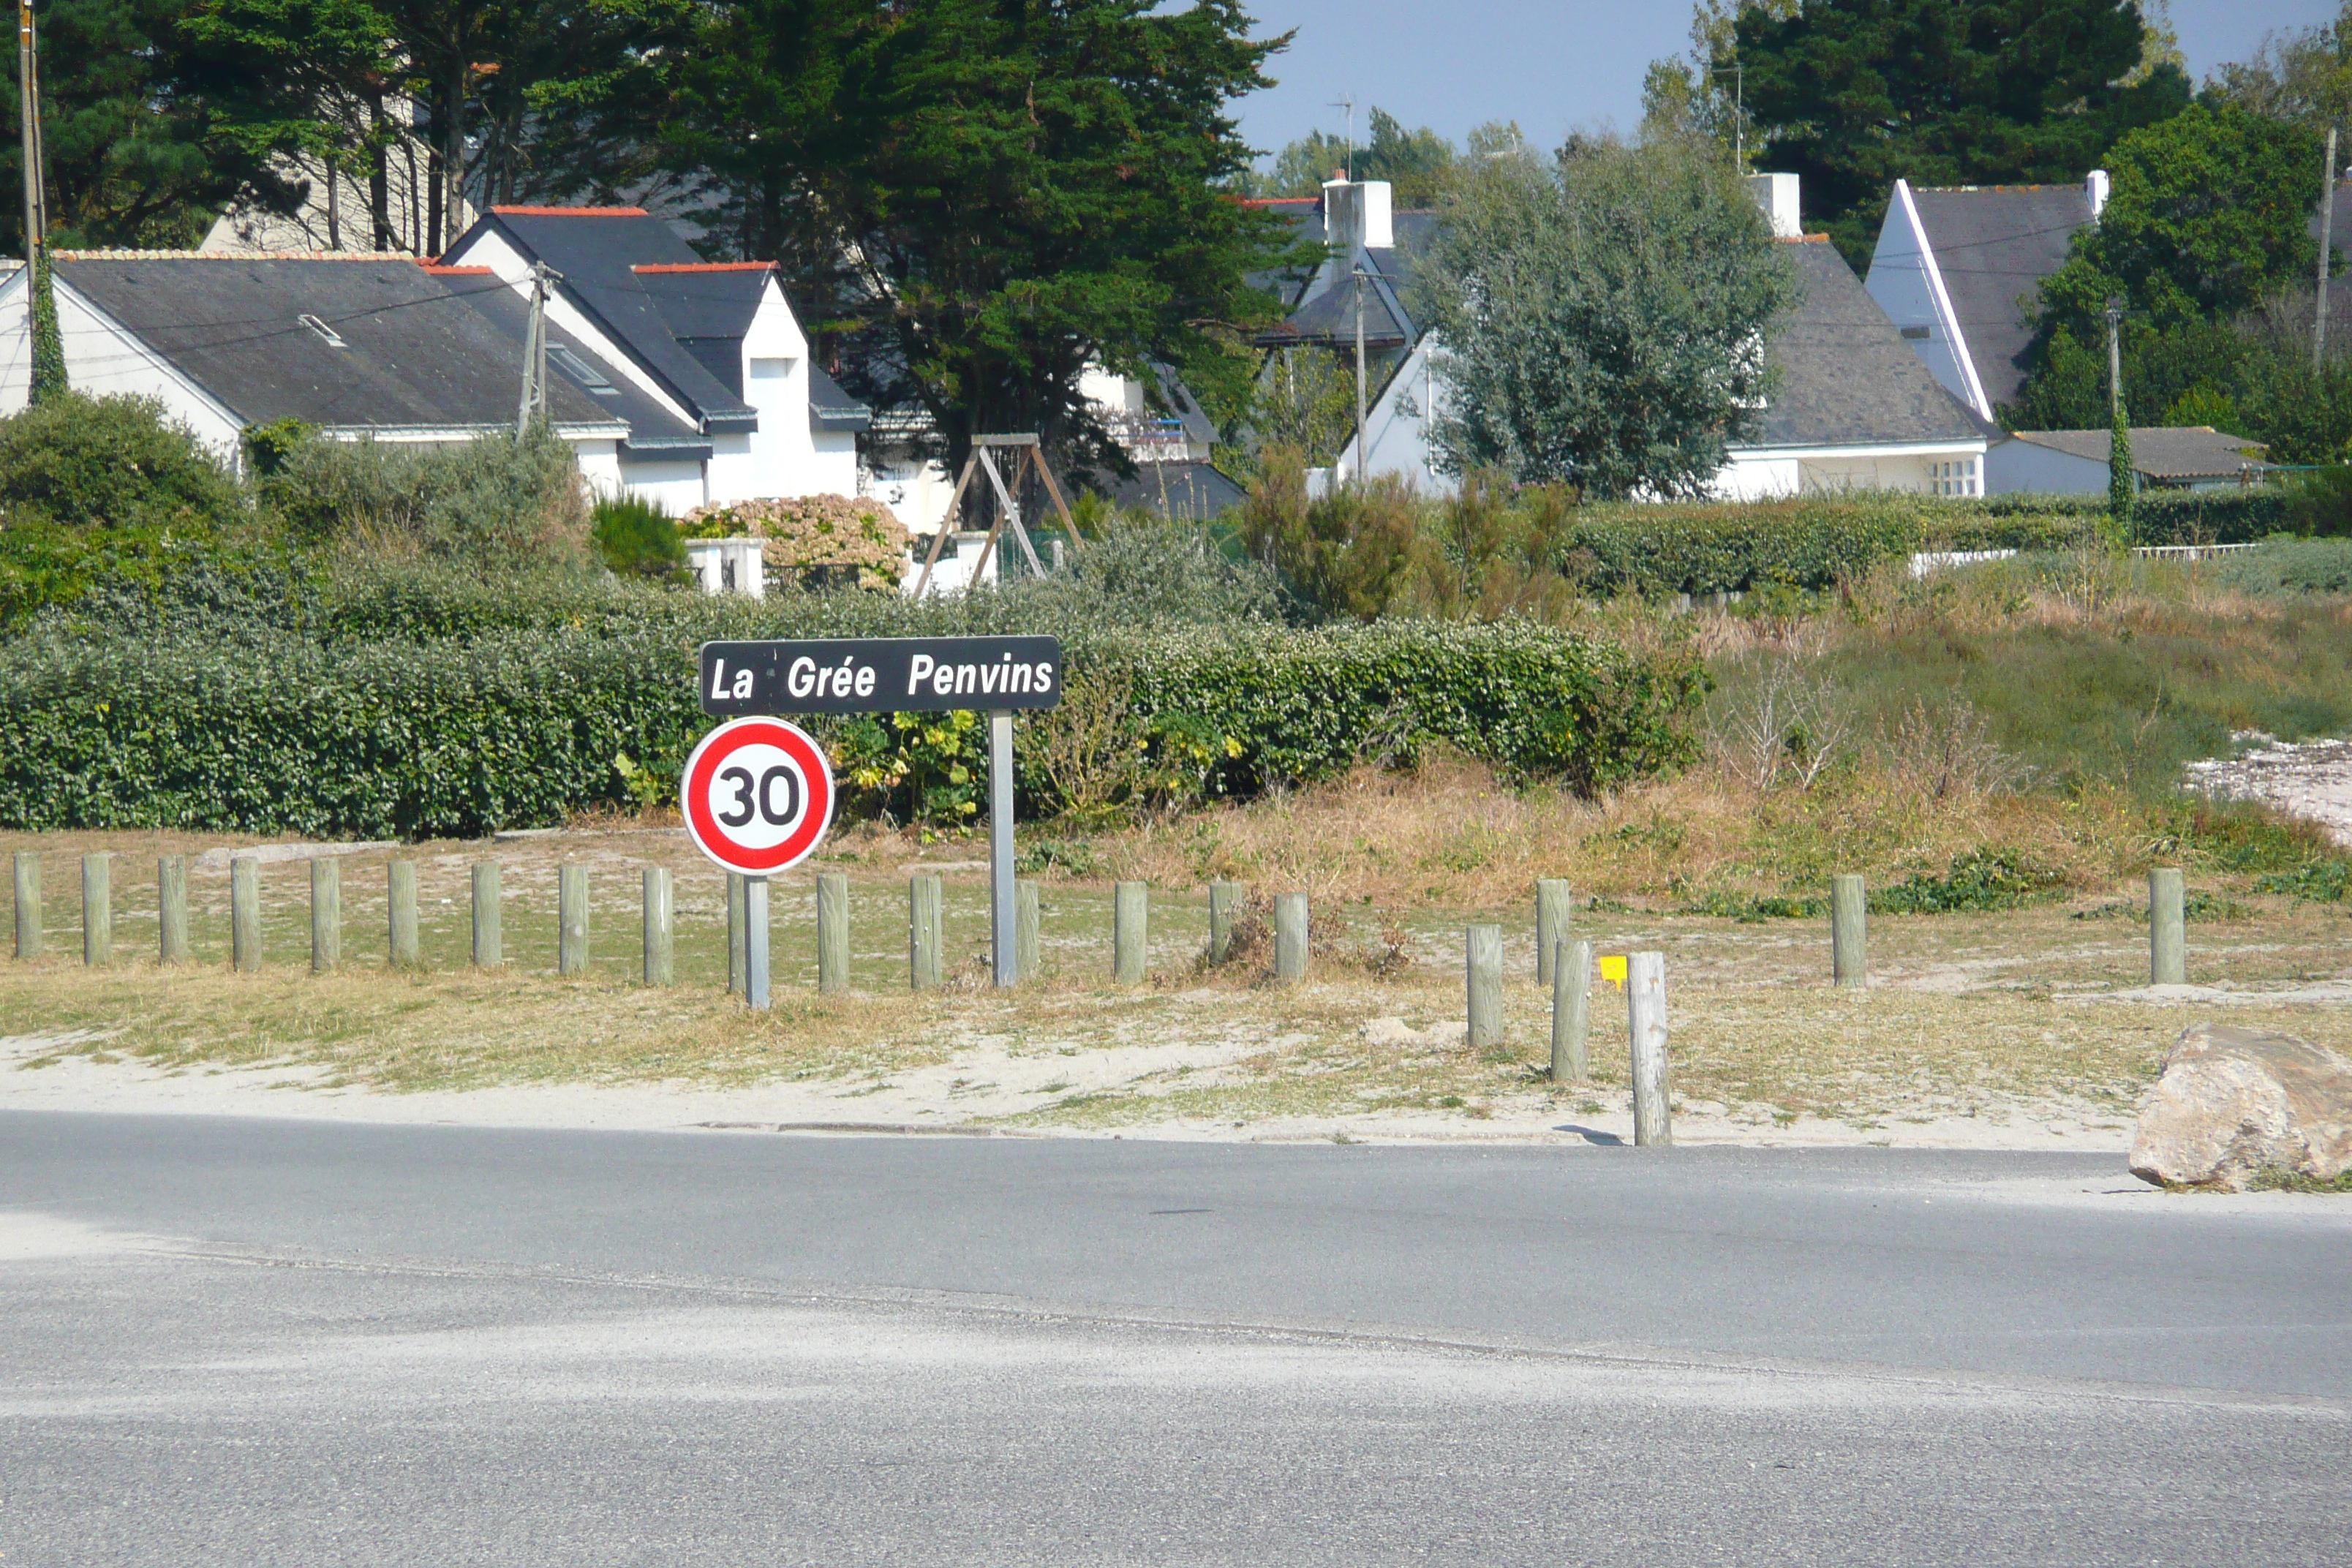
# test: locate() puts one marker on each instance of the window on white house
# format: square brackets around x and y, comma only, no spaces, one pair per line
[1954,479]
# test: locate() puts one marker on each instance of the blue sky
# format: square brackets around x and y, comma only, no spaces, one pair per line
[1559,65]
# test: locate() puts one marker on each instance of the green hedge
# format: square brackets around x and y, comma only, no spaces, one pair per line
[279,731]
[1812,543]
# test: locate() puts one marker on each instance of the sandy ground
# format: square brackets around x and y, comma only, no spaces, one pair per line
[964,1096]
[2310,779]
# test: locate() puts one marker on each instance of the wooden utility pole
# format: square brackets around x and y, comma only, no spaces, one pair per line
[1360,454]
[28,103]
[2115,359]
[534,351]
[2327,231]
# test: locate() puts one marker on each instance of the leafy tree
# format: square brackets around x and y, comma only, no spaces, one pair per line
[1604,319]
[1419,164]
[1854,94]
[2304,77]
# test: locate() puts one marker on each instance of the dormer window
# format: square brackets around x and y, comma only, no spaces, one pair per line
[327,334]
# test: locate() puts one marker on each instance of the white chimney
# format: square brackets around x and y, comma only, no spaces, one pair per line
[1356,213]
[1776,195]
[2096,187]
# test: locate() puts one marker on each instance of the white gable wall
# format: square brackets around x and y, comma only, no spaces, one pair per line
[2013,465]
[1396,427]
[1909,286]
[104,359]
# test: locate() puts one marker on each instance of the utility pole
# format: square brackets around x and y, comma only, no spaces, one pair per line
[2326,232]
[534,351]
[1738,113]
[1360,454]
[2115,357]
[28,111]
[48,355]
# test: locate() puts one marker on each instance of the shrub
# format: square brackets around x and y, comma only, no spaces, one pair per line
[2292,566]
[814,536]
[493,501]
[636,538]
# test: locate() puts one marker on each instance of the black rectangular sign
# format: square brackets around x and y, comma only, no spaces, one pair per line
[879,675]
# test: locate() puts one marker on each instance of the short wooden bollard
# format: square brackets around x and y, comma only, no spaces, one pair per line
[1027,956]
[926,932]
[1291,937]
[171,909]
[97,909]
[2168,927]
[1552,905]
[1225,901]
[1483,959]
[400,912]
[571,919]
[1130,927]
[1571,1011]
[1849,932]
[490,941]
[832,933]
[244,913]
[659,928]
[28,903]
[737,929]
[326,915]
[1646,1020]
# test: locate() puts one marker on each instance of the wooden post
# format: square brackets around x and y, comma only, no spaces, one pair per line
[1646,1020]
[97,911]
[1849,932]
[1484,962]
[831,932]
[172,909]
[571,919]
[28,903]
[659,928]
[489,942]
[1224,898]
[735,929]
[1026,953]
[1130,932]
[326,913]
[1571,1011]
[1290,937]
[926,932]
[244,913]
[2168,927]
[400,899]
[1552,904]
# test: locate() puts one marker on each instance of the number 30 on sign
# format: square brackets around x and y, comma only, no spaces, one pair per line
[758,795]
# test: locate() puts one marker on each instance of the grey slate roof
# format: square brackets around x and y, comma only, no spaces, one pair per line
[1185,492]
[654,430]
[1847,378]
[417,350]
[1994,244]
[830,408]
[2173,453]
[598,250]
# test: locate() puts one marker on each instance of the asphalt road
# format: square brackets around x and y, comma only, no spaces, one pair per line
[266,1342]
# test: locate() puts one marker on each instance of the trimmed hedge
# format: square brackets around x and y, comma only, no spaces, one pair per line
[279,733]
[1812,543]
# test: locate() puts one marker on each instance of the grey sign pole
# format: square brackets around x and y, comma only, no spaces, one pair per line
[755,942]
[1001,917]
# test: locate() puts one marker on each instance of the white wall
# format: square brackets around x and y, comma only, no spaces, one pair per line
[916,492]
[1396,427]
[104,360]
[1907,285]
[2012,466]
[1954,468]
[675,484]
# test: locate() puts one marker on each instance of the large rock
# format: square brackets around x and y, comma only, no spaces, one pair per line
[2234,1101]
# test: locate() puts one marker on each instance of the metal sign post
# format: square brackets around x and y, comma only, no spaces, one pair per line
[999,676]
[757,795]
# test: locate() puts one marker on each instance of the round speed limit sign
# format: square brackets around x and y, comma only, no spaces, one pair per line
[758,795]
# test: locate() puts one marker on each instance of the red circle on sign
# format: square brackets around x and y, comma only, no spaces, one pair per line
[739,846]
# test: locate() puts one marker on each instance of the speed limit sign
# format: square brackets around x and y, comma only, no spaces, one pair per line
[758,795]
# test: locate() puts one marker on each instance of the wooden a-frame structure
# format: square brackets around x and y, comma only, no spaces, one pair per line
[1008,511]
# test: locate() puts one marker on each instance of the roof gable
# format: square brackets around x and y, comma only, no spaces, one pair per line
[1847,378]
[1993,245]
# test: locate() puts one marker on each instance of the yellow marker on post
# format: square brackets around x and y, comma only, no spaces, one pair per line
[1613,968]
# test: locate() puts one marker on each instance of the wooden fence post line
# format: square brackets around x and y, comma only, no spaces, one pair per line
[172,909]
[1131,926]
[1224,898]
[1646,1020]
[659,928]
[2168,927]
[831,932]
[1483,959]
[1849,932]
[400,911]
[326,913]
[735,928]
[1290,937]
[1026,955]
[571,919]
[1571,1011]
[926,932]
[489,942]
[97,909]
[244,913]
[28,903]
[1552,905]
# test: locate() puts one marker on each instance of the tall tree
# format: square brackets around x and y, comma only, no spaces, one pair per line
[1854,94]
[1604,319]
[2305,77]
[1420,163]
